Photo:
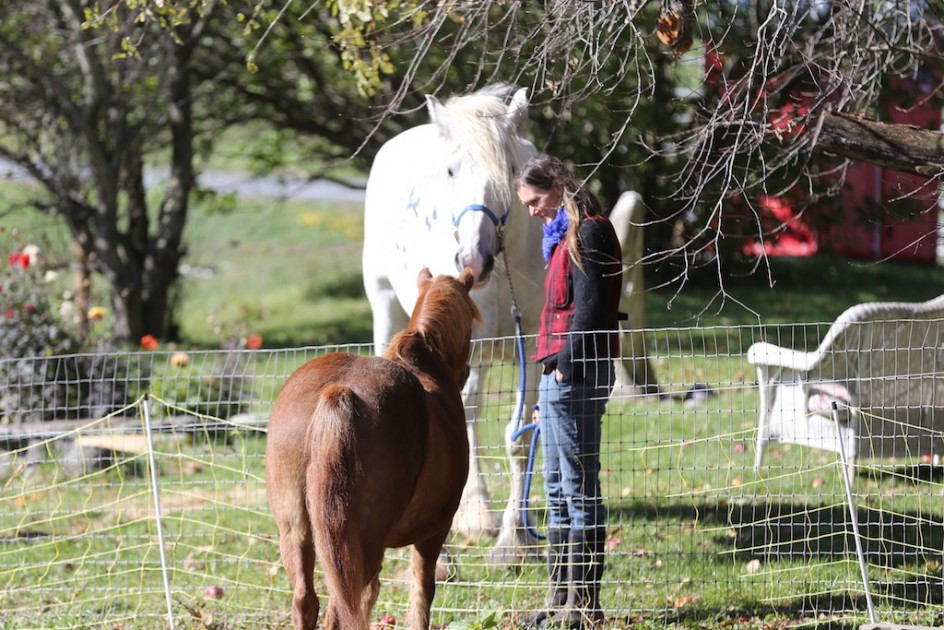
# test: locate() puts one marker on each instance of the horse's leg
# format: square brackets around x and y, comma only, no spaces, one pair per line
[298,557]
[423,587]
[473,518]
[635,374]
[369,600]
[387,314]
[515,543]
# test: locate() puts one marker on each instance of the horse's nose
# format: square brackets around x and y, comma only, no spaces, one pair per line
[483,274]
[487,268]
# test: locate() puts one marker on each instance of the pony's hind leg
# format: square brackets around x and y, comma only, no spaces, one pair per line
[298,557]
[371,592]
[423,587]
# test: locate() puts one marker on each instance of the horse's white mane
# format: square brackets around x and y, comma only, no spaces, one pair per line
[482,127]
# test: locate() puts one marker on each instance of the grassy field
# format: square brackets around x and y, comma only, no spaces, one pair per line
[696,537]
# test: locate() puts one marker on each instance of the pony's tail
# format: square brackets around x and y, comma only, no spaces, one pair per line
[331,474]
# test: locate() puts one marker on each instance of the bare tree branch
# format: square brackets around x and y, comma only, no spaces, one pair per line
[903,148]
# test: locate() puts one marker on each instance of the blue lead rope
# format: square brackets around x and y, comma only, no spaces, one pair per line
[528,474]
[523,379]
[534,426]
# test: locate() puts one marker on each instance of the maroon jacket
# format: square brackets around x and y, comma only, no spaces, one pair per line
[578,301]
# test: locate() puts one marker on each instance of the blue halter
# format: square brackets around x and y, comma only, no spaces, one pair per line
[477,207]
[499,223]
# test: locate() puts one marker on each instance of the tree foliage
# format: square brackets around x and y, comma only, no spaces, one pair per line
[712,104]
[93,97]
[90,106]
[704,107]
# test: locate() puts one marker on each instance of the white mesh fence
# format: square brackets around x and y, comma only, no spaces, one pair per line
[715,518]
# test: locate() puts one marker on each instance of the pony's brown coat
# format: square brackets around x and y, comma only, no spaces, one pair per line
[365,453]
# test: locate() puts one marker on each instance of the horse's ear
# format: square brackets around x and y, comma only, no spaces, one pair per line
[424,277]
[518,109]
[438,114]
[467,278]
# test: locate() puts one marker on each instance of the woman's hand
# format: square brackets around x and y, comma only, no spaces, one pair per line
[558,377]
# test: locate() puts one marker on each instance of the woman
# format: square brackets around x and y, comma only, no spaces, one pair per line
[577,343]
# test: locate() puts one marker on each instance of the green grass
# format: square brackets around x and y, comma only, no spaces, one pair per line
[292,271]
[791,290]
[288,271]
[688,519]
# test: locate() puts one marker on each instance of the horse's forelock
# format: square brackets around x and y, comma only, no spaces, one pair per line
[481,126]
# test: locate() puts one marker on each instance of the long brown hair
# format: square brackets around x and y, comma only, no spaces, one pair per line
[543,171]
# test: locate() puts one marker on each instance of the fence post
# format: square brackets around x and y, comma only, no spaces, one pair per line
[852,514]
[152,464]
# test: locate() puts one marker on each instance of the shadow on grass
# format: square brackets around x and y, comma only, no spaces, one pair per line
[805,612]
[814,289]
[810,611]
[893,543]
[914,474]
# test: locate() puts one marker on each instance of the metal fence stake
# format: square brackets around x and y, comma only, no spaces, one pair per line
[852,514]
[152,464]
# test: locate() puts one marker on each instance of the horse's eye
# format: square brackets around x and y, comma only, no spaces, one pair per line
[450,172]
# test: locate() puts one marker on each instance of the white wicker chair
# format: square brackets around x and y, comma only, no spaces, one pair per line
[888,356]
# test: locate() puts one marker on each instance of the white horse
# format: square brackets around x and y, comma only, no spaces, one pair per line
[441,195]
[635,374]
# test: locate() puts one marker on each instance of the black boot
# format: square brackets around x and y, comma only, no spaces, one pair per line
[558,557]
[583,609]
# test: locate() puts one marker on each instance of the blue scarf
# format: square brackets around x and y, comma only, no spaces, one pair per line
[553,233]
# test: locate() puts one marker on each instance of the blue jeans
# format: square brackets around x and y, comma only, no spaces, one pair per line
[571,427]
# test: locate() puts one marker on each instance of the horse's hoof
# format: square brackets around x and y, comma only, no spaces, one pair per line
[501,557]
[507,556]
[474,523]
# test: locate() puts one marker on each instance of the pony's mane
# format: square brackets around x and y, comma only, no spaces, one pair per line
[481,127]
[439,311]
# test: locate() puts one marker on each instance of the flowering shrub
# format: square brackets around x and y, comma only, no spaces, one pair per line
[29,325]
[41,375]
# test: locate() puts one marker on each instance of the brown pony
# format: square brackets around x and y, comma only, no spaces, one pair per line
[365,453]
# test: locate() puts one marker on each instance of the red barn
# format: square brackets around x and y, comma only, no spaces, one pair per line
[881,214]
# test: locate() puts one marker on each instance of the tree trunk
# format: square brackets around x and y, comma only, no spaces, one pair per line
[903,148]
[82,284]
[162,270]
[129,295]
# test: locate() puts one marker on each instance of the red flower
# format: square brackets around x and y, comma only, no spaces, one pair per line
[149,342]
[254,341]
[20,260]
[29,308]
[9,314]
